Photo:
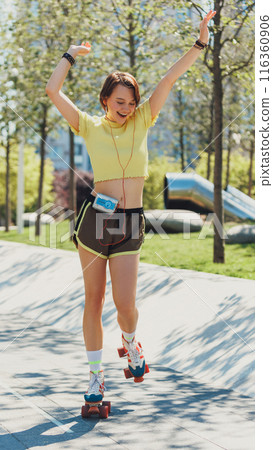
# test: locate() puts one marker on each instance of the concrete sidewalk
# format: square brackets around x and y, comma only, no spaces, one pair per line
[44,375]
[200,325]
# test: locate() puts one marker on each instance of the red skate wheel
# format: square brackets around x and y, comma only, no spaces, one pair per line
[139,344]
[93,410]
[138,379]
[127,373]
[103,412]
[108,404]
[85,409]
[121,352]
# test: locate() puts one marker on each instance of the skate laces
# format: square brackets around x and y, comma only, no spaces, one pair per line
[133,353]
[95,385]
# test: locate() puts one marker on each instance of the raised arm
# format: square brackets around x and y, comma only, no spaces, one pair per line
[53,88]
[164,87]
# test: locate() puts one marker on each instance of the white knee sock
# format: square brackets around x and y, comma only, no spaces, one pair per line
[129,336]
[94,360]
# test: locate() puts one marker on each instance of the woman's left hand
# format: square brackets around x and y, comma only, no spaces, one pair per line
[204,32]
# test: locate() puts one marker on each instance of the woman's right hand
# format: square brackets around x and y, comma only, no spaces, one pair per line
[82,49]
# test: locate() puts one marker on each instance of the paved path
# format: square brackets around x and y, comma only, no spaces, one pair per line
[43,376]
[43,371]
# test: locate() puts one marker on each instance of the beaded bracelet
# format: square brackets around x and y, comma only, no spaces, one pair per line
[69,58]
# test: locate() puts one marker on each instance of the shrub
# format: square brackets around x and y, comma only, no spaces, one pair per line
[153,197]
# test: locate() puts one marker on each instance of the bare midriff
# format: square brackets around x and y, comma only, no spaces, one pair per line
[133,188]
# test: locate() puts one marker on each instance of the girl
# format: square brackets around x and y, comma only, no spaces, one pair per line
[117,145]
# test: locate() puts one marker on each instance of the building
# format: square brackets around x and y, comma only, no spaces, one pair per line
[58,151]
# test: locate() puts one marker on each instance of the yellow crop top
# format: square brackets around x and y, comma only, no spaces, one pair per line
[100,146]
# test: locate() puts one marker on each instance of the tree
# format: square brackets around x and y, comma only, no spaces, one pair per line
[134,35]
[248,145]
[7,141]
[231,18]
[8,124]
[31,171]
[44,30]
[191,127]
[180,109]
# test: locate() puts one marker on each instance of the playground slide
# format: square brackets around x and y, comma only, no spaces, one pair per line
[191,191]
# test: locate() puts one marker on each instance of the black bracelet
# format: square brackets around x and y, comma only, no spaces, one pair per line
[69,58]
[200,44]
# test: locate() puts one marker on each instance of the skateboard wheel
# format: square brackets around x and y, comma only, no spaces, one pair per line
[108,404]
[85,409]
[139,344]
[147,370]
[103,412]
[121,352]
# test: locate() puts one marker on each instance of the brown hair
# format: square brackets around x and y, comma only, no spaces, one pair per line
[115,78]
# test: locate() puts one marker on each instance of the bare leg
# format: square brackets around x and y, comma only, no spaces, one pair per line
[94,274]
[123,270]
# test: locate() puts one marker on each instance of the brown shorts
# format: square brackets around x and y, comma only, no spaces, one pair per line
[121,234]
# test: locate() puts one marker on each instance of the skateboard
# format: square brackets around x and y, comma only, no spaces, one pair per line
[127,371]
[97,408]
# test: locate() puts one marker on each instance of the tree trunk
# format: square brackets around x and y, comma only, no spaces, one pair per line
[180,107]
[252,149]
[132,46]
[210,137]
[42,164]
[7,218]
[219,243]
[228,156]
[182,147]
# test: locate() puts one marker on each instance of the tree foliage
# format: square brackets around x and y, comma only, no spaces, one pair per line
[144,38]
[239,170]
[153,197]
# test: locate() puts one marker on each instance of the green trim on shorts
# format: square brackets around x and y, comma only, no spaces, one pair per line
[83,216]
[81,209]
[135,252]
[92,251]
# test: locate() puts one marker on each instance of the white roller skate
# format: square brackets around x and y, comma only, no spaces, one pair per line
[136,361]
[95,391]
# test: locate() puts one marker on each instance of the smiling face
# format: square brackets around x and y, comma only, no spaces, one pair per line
[121,104]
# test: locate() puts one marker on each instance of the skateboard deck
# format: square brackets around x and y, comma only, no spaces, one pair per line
[127,372]
[102,409]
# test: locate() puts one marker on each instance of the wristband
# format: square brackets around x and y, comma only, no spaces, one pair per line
[69,58]
[203,43]
[199,44]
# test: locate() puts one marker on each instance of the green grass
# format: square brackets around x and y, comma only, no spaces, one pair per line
[176,251]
